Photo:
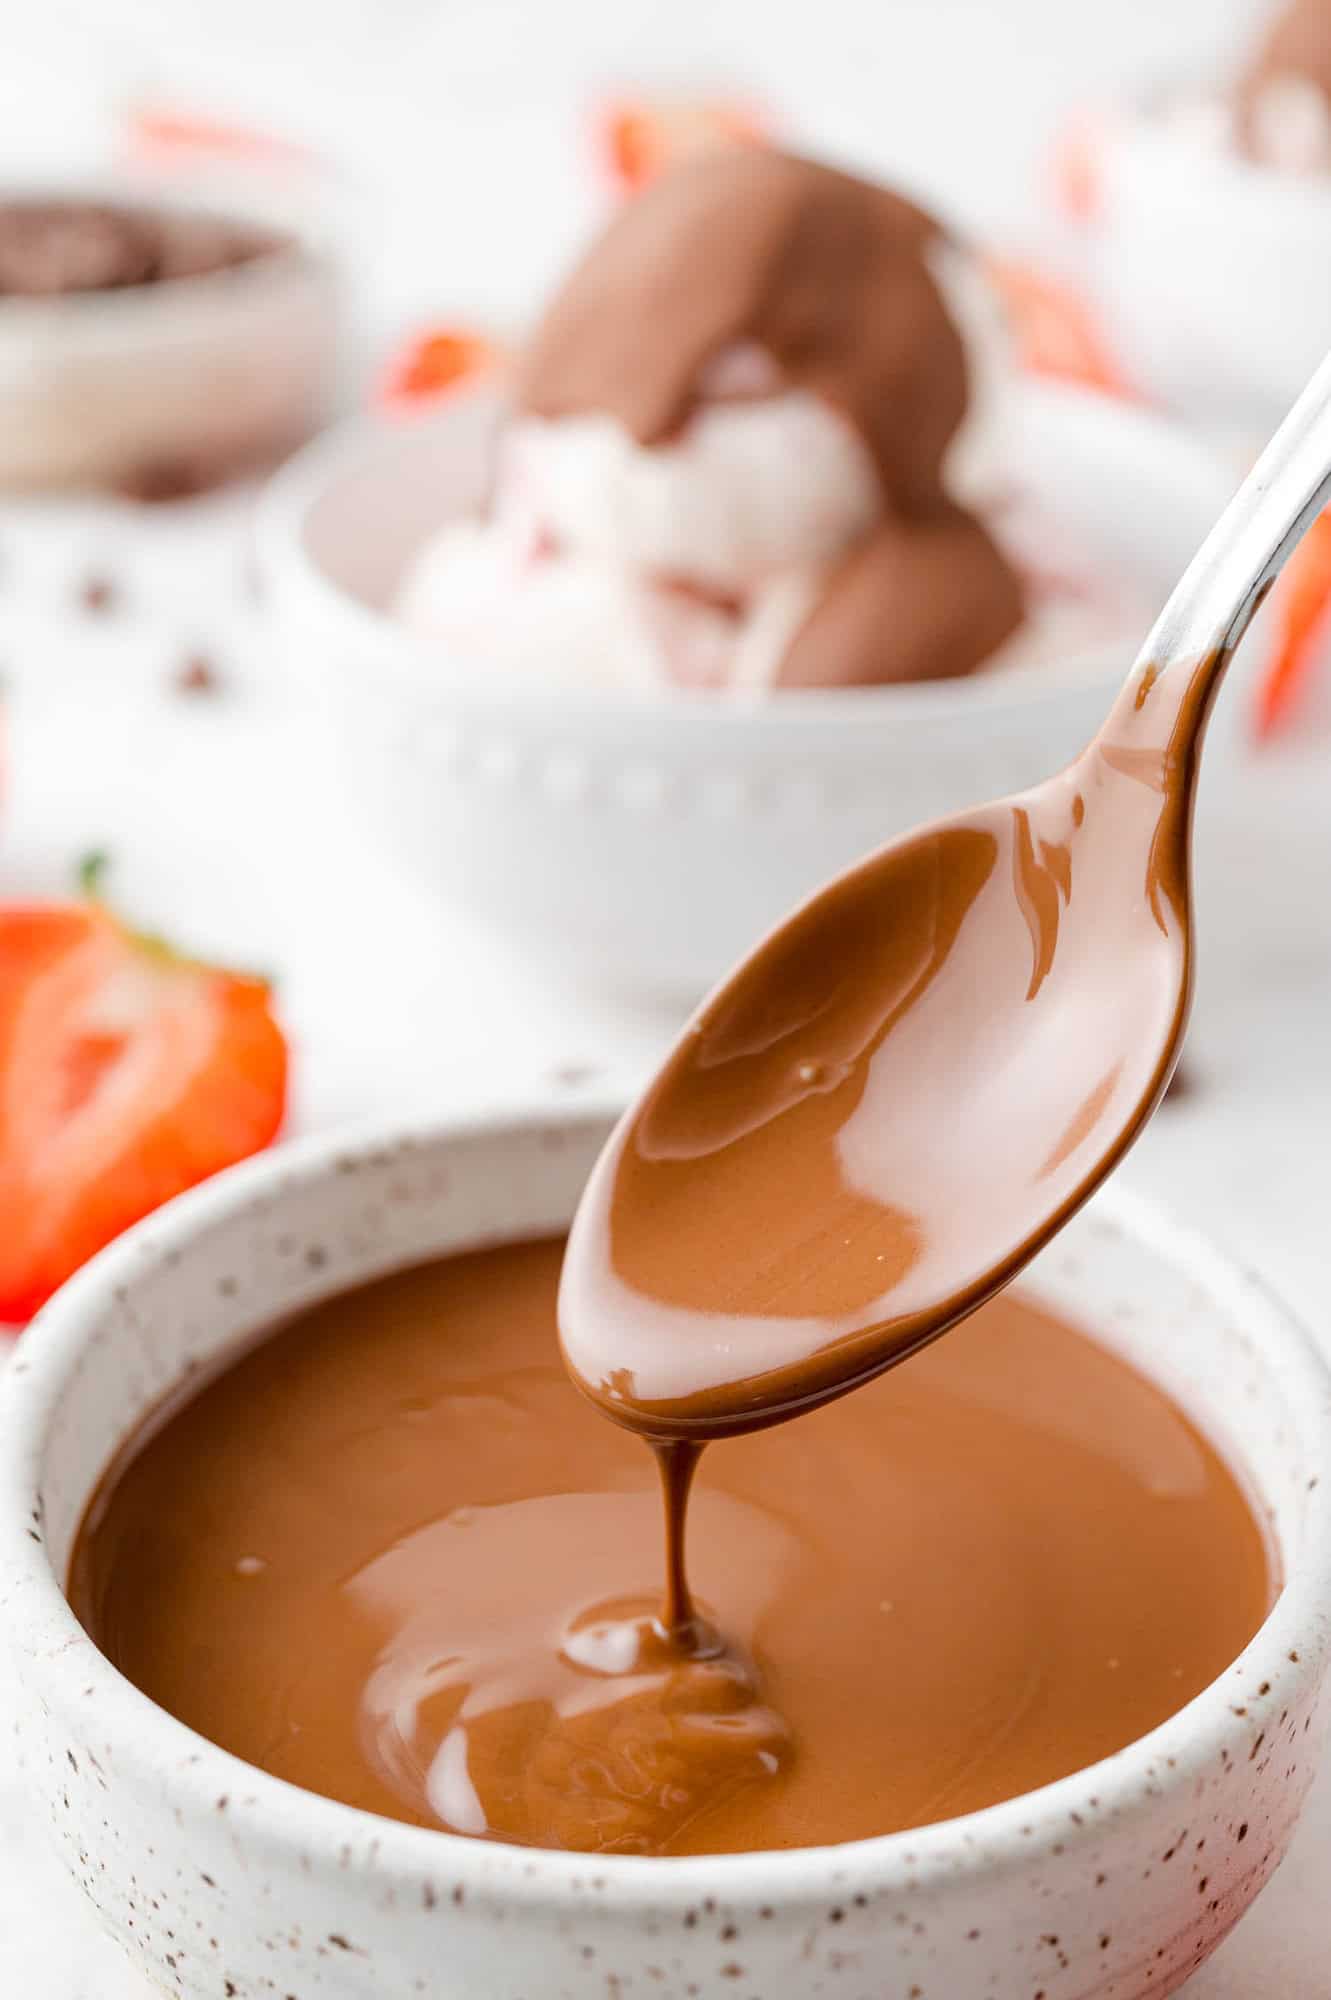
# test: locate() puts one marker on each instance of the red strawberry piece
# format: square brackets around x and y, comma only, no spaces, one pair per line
[640,138]
[1300,606]
[434,362]
[127,1074]
[1075,169]
[156,131]
[1056,334]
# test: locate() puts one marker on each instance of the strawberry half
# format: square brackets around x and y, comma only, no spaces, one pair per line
[158,132]
[127,1074]
[1074,169]
[1301,609]
[1056,335]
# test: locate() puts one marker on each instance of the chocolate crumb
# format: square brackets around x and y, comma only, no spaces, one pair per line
[197,674]
[99,594]
[157,482]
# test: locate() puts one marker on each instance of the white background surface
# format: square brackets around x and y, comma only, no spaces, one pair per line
[222,824]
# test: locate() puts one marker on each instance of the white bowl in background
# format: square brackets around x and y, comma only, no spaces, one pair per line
[1112,1884]
[185,381]
[642,843]
[1210,275]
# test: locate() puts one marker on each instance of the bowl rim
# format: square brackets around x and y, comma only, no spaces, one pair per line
[283,508]
[1155,153]
[293,258]
[1285,1658]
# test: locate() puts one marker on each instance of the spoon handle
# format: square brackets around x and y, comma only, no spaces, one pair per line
[1212,604]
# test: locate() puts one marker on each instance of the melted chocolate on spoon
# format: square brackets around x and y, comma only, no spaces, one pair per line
[893,1102]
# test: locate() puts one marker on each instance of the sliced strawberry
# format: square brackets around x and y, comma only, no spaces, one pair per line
[127,1075]
[1075,170]
[641,137]
[433,362]
[1300,606]
[156,132]
[1056,334]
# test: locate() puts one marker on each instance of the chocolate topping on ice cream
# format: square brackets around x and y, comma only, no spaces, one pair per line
[834,278]
[391,1555]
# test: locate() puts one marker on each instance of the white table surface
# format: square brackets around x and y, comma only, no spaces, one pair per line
[223,828]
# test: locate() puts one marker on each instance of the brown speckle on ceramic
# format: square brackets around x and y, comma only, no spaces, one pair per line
[573,1075]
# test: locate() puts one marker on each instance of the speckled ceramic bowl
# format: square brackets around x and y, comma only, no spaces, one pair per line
[222,1881]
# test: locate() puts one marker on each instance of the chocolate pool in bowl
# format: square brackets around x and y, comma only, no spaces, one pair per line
[392,1555]
[1114,1879]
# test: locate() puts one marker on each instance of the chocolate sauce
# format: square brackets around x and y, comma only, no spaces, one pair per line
[676,1463]
[826,273]
[51,248]
[392,1556]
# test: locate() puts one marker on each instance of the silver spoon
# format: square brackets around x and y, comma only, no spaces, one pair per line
[908,1087]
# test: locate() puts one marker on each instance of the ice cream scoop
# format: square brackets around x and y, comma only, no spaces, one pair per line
[769,389]
[750,487]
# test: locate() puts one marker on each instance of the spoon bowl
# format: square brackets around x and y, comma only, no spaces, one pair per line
[880,1116]
[913,1082]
